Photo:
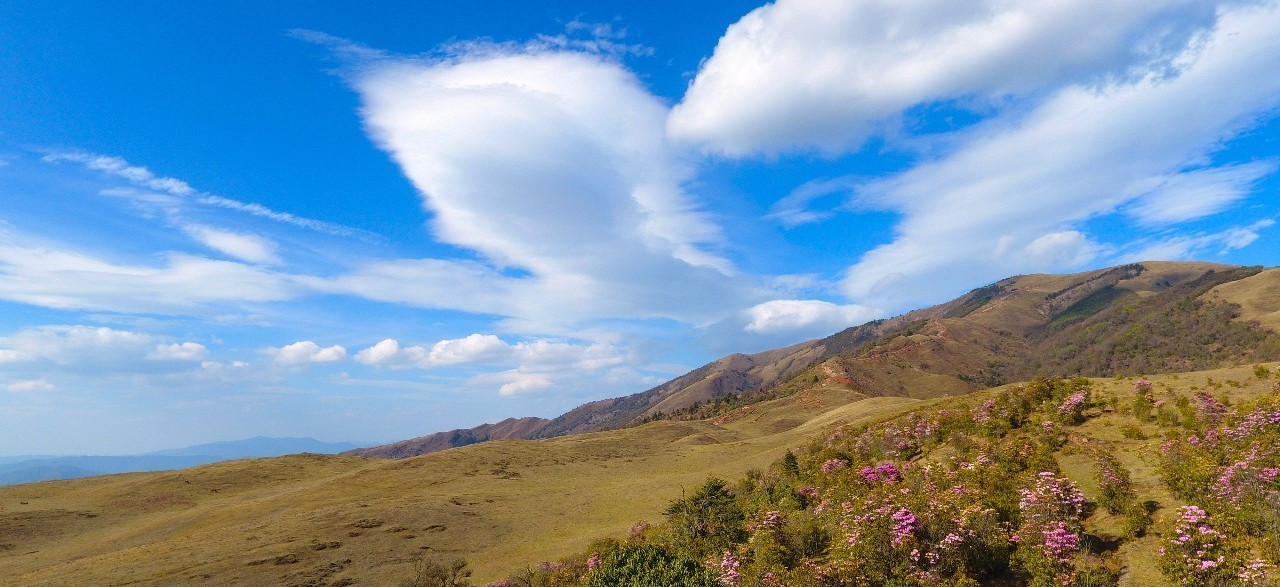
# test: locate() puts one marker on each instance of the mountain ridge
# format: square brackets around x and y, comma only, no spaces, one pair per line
[1008,330]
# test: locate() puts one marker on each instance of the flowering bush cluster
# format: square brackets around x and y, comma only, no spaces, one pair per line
[1049,535]
[964,498]
[1230,472]
[1196,554]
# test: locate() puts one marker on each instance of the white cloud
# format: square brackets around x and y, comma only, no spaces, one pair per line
[1006,200]
[527,366]
[1196,246]
[387,352]
[94,350]
[488,349]
[306,352]
[812,316]
[517,383]
[182,284]
[1067,249]
[1198,193]
[30,386]
[69,344]
[600,38]
[553,164]
[827,75]
[476,348]
[186,351]
[246,247]
[123,169]
[143,177]
[795,209]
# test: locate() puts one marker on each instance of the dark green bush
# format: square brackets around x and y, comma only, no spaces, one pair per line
[649,565]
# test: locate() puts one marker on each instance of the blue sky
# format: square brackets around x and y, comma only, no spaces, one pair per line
[226,219]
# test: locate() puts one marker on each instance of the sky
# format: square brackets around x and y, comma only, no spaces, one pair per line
[370,222]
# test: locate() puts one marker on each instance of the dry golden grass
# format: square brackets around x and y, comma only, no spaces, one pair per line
[316,520]
[1257,296]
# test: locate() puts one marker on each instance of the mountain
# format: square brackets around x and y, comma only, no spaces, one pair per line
[258,446]
[506,429]
[1145,317]
[71,467]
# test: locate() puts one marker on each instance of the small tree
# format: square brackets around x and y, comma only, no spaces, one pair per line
[431,573]
[707,522]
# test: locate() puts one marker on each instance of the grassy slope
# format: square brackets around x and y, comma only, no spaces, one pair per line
[502,505]
[1258,297]
[1140,456]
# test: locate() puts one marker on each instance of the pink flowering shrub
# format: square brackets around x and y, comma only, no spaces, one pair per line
[1210,409]
[1050,533]
[1071,410]
[1195,554]
[1233,472]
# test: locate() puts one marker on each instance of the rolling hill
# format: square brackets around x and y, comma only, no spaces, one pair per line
[1144,317]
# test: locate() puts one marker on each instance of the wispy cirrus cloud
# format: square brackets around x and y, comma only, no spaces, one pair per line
[144,177]
[181,284]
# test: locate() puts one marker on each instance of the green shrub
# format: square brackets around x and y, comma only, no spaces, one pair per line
[649,565]
[707,522]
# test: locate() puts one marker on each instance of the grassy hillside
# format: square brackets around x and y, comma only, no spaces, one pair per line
[323,520]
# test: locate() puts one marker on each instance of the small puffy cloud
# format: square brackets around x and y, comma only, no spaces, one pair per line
[30,386]
[805,316]
[476,348]
[487,349]
[186,351]
[1067,249]
[306,352]
[517,383]
[386,352]
[246,247]
[527,366]
[814,74]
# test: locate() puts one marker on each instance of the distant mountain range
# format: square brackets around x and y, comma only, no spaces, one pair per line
[15,470]
[1149,317]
